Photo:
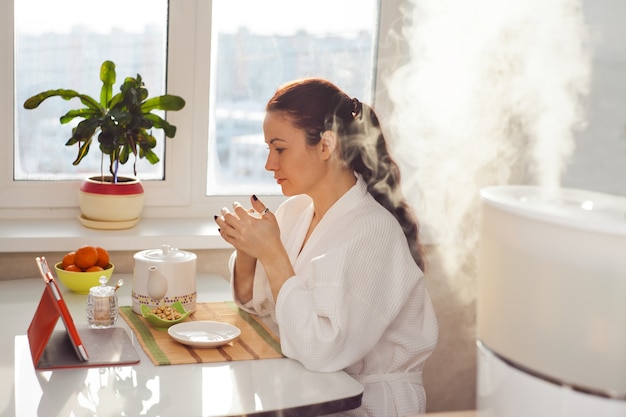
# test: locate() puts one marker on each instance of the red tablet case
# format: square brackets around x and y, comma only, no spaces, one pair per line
[52,348]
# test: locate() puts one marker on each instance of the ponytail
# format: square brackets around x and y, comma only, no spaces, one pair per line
[365,151]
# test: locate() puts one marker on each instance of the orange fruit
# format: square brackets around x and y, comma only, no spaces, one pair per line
[94,268]
[73,268]
[68,259]
[103,257]
[86,257]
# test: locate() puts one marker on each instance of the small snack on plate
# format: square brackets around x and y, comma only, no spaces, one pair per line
[166,313]
[160,319]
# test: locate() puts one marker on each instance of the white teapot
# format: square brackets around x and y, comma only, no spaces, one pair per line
[168,272]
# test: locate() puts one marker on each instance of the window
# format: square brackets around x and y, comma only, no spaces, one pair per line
[56,49]
[217,152]
[252,57]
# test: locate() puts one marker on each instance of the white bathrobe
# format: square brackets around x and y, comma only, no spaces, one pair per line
[357,301]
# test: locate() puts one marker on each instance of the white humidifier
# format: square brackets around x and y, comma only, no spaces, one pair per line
[551,323]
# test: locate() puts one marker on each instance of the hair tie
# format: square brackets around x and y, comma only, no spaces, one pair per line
[357,107]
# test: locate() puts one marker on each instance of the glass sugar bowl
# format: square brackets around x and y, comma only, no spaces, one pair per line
[102,306]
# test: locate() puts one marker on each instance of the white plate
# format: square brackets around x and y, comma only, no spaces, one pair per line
[204,334]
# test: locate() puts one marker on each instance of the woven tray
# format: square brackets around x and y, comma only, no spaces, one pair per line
[256,340]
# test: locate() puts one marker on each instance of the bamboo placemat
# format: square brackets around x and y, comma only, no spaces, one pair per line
[255,342]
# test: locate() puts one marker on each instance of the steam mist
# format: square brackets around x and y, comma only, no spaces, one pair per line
[491,96]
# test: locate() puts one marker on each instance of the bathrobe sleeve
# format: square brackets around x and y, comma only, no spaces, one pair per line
[262,304]
[293,216]
[337,307]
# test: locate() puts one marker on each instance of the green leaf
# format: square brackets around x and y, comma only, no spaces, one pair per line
[84,113]
[107,76]
[125,154]
[159,123]
[116,100]
[147,141]
[34,101]
[107,146]
[71,141]
[83,150]
[150,156]
[165,102]
[83,131]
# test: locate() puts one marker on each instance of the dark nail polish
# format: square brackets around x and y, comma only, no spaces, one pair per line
[254,197]
[215,217]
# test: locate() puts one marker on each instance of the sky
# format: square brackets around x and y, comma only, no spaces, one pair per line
[290,15]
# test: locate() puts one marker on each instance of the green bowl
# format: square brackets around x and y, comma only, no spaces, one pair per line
[81,282]
[160,323]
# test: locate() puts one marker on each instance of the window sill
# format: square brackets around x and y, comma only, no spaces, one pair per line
[40,235]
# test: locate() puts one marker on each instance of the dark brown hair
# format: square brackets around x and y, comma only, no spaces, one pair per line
[315,105]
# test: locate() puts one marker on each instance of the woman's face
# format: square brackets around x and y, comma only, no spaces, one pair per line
[297,168]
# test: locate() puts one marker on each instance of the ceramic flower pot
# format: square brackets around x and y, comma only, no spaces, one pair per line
[108,205]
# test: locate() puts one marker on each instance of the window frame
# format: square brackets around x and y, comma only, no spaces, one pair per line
[182,193]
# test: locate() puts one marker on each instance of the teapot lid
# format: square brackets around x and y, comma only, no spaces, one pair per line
[167,253]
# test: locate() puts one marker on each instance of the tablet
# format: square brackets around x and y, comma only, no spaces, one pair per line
[51,306]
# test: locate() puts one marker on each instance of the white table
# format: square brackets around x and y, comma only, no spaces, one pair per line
[258,387]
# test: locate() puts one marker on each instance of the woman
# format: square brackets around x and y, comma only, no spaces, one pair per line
[339,266]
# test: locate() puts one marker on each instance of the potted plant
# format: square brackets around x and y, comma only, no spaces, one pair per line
[122,123]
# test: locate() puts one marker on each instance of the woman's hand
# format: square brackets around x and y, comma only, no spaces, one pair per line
[254,232]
